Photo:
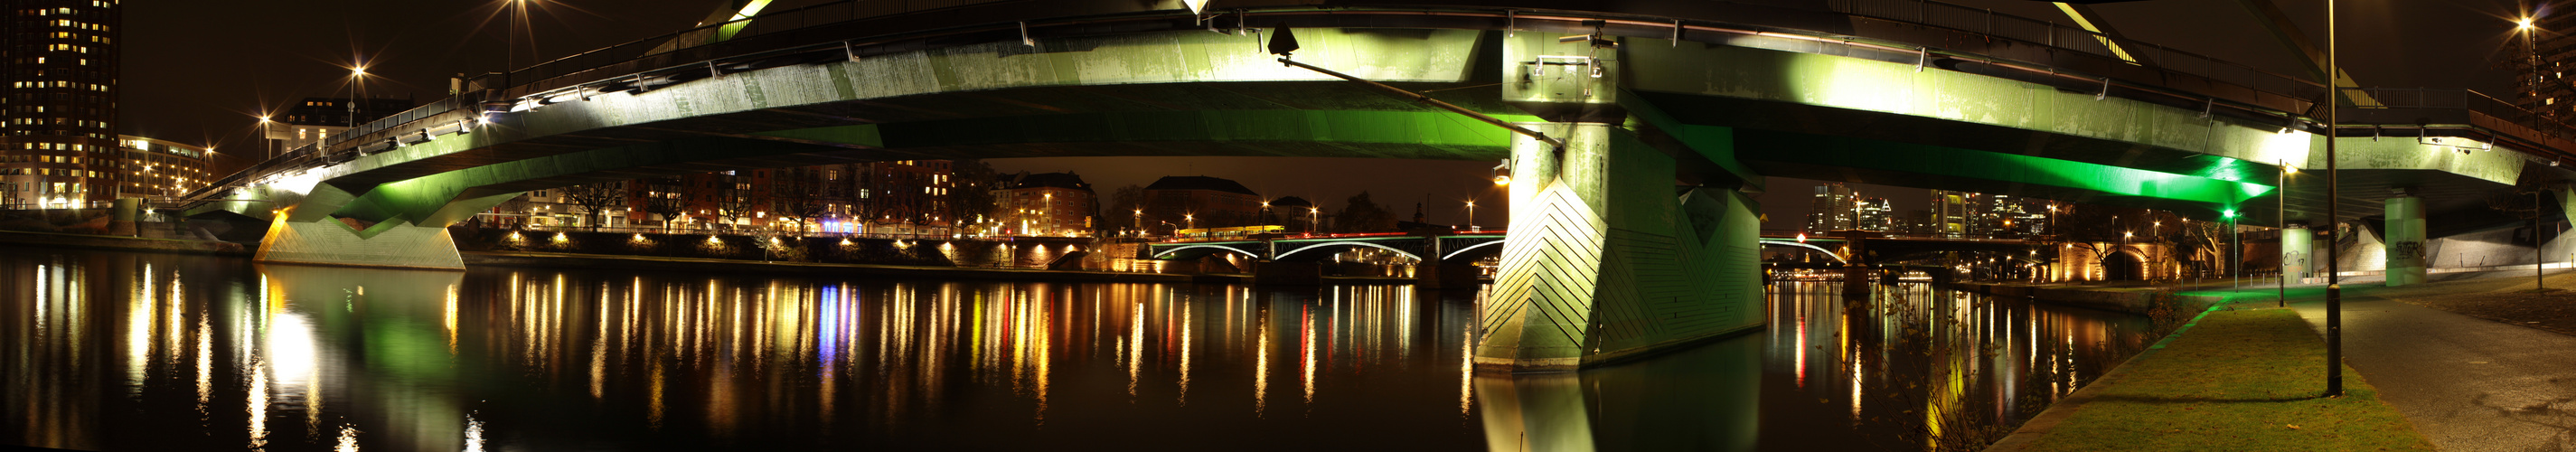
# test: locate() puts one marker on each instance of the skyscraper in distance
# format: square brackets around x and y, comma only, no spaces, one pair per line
[1831,209]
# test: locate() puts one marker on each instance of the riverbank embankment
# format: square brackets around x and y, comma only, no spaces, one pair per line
[119,243]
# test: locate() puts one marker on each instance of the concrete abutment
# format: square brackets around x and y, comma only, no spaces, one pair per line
[1606,262]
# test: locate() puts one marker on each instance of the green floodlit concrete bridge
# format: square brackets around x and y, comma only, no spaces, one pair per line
[1636,234]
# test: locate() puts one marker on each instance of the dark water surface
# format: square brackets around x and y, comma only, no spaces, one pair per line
[119,351]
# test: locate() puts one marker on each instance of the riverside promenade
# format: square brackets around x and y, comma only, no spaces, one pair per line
[2476,363]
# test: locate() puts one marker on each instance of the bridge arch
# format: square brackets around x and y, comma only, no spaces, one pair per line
[2125,263]
[1819,249]
[1343,244]
[1481,249]
[1196,251]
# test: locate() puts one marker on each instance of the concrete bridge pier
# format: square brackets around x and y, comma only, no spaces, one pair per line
[309,233]
[2297,251]
[2405,240]
[1605,261]
[1856,280]
[1438,275]
[127,210]
[1287,273]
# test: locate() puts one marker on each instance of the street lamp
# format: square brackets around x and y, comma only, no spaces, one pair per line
[2334,283]
[2525,26]
[1471,217]
[1191,220]
[510,39]
[269,149]
[357,77]
[1312,216]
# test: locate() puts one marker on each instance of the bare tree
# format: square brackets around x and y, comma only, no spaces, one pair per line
[971,199]
[1123,205]
[594,198]
[663,198]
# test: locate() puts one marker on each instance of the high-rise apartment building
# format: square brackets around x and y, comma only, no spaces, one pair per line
[2541,67]
[1831,209]
[58,141]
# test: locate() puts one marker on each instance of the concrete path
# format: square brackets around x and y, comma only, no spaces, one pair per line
[2468,384]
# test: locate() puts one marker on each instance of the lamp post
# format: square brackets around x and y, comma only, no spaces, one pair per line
[1313,215]
[2235,251]
[2525,25]
[510,39]
[1471,217]
[2334,282]
[357,79]
[268,148]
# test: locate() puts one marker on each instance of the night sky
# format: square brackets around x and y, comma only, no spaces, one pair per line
[201,71]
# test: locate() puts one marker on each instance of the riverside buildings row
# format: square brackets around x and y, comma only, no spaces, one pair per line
[898,198]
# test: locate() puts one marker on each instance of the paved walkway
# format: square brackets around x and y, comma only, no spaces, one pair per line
[2468,384]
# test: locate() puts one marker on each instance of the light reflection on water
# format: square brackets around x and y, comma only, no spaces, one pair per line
[101,346]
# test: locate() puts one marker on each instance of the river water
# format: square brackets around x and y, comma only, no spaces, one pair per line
[123,351]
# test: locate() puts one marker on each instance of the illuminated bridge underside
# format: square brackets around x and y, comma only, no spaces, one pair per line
[1627,243]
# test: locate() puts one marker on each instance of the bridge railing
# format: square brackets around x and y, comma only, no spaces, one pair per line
[633,57]
[2094,53]
[2220,78]
[2434,108]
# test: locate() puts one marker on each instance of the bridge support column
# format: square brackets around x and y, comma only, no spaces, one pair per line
[2405,240]
[1606,262]
[2297,245]
[1436,275]
[304,236]
[1856,268]
[1278,273]
[330,242]
[127,210]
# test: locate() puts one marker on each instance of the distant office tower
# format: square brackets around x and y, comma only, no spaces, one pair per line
[1876,215]
[58,141]
[1832,208]
[1950,212]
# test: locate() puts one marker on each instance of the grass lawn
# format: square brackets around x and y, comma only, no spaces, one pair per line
[2239,380]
